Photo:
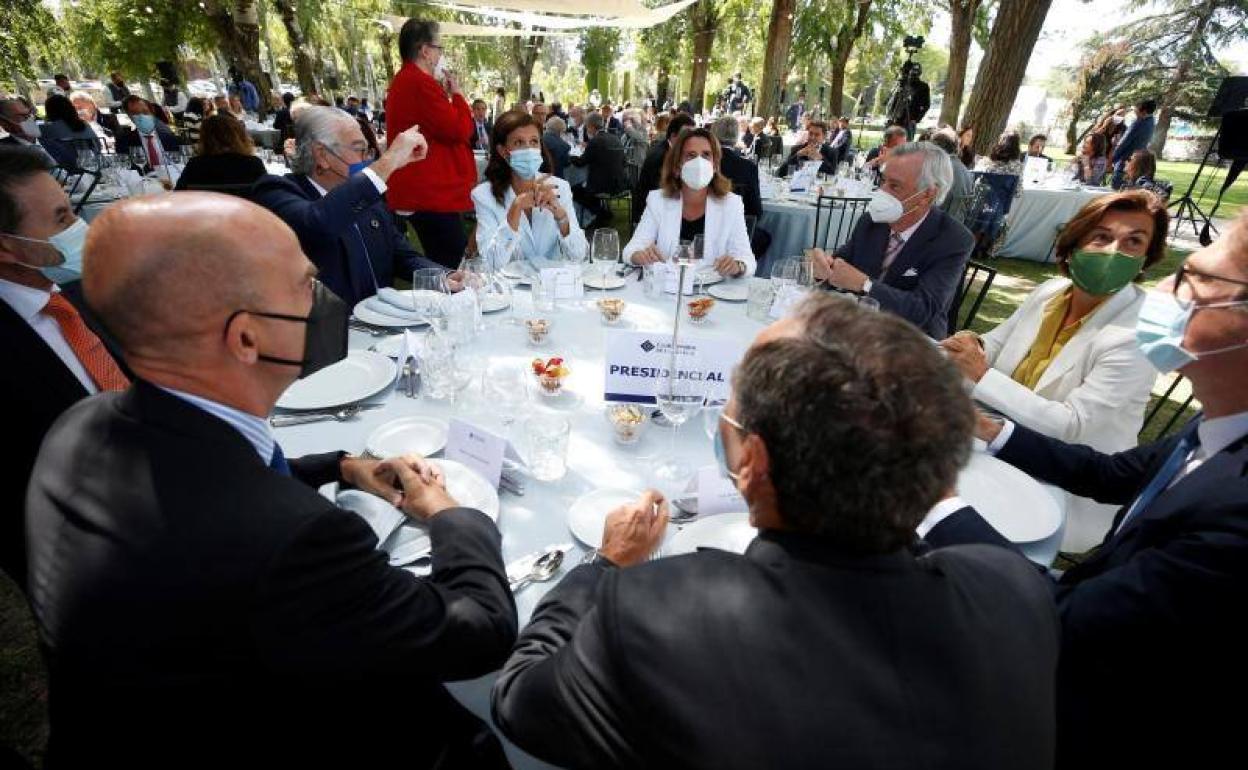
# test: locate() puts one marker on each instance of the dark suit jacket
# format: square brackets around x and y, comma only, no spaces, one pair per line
[558,150]
[344,233]
[743,173]
[795,655]
[794,114]
[648,177]
[224,169]
[842,143]
[920,284]
[472,138]
[828,166]
[197,607]
[604,155]
[54,153]
[1137,138]
[128,137]
[34,380]
[1153,628]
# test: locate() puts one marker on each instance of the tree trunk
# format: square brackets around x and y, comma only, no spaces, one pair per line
[776,58]
[1072,129]
[524,53]
[661,87]
[962,13]
[1179,79]
[704,22]
[298,45]
[247,22]
[1013,37]
[387,55]
[849,32]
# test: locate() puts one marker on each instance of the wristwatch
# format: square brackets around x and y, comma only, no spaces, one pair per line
[595,557]
[866,286]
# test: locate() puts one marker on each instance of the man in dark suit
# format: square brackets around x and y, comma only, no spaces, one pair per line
[148,132]
[1137,138]
[17,119]
[843,141]
[552,139]
[1153,632]
[339,215]
[198,600]
[481,125]
[769,659]
[604,157]
[652,167]
[610,123]
[815,149]
[49,340]
[743,173]
[794,114]
[905,252]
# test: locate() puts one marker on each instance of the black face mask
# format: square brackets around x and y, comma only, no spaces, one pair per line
[325,334]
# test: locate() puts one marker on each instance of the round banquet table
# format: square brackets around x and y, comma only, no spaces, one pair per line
[1036,216]
[791,222]
[536,520]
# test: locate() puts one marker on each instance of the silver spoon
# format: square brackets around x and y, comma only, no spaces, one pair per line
[543,569]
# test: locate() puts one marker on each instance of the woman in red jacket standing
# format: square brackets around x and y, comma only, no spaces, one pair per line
[434,196]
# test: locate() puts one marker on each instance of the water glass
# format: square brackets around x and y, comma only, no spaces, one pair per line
[605,253]
[543,294]
[652,278]
[760,294]
[438,372]
[546,442]
[505,385]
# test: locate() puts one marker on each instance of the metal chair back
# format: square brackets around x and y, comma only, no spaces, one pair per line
[970,273]
[835,219]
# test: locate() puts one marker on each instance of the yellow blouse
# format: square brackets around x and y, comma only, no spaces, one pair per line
[1049,341]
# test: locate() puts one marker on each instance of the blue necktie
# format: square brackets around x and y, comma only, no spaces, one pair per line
[1174,463]
[278,461]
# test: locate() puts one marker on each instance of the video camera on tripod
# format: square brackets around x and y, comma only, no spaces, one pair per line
[911,97]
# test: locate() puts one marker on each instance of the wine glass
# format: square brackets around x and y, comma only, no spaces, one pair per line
[679,395]
[505,385]
[605,252]
[430,293]
[138,157]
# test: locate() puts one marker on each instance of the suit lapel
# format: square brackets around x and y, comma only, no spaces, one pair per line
[876,238]
[1020,341]
[713,234]
[910,253]
[32,355]
[669,225]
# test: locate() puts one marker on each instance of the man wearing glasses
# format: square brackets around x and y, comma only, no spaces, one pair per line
[1153,622]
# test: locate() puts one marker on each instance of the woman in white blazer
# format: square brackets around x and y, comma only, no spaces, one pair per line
[693,198]
[521,213]
[1066,363]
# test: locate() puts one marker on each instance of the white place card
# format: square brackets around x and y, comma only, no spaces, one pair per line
[635,359]
[563,279]
[479,449]
[717,494]
[671,274]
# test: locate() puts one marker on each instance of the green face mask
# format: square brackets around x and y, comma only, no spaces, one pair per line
[1101,273]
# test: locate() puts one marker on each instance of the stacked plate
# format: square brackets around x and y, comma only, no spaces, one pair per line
[360,375]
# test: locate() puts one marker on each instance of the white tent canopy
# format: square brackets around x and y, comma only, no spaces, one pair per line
[613,8]
[646,17]
[453,29]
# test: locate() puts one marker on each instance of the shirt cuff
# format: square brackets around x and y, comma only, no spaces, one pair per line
[377,181]
[941,511]
[1007,430]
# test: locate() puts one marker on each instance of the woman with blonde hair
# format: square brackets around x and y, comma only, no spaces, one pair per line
[694,198]
[223,156]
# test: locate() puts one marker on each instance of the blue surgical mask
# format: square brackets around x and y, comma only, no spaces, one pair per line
[721,454]
[69,243]
[1160,328]
[355,168]
[525,162]
[145,123]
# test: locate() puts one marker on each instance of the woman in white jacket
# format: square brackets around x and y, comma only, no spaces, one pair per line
[693,198]
[1065,363]
[522,214]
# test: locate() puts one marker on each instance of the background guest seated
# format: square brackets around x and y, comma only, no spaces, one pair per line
[904,252]
[1066,363]
[718,660]
[694,199]
[814,149]
[224,155]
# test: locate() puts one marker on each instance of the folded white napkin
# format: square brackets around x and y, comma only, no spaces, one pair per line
[400,299]
[378,305]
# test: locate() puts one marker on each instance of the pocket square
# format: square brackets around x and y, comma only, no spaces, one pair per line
[911,273]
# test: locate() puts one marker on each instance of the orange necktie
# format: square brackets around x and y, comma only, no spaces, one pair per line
[88,347]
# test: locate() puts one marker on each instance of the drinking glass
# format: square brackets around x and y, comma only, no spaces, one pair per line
[429,295]
[505,385]
[138,156]
[605,253]
[679,396]
[546,440]
[438,372]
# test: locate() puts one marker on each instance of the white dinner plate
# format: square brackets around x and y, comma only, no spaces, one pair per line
[589,512]
[424,436]
[730,292]
[707,276]
[407,540]
[596,282]
[360,375]
[389,346]
[492,303]
[1015,504]
[516,275]
[725,531]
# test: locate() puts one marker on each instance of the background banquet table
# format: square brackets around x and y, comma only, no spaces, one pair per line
[536,520]
[1036,216]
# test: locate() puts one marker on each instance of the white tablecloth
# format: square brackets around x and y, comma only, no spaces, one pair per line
[791,223]
[1037,214]
[537,519]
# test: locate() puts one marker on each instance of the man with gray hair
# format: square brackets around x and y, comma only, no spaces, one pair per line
[904,252]
[334,201]
[835,639]
[604,161]
[553,139]
[963,187]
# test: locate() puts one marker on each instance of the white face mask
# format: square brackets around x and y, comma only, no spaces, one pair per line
[31,128]
[439,69]
[697,173]
[885,209]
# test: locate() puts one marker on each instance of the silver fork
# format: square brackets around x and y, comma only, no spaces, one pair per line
[346,413]
[374,331]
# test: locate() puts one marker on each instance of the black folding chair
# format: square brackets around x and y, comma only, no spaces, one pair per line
[78,183]
[835,219]
[625,195]
[1160,403]
[972,271]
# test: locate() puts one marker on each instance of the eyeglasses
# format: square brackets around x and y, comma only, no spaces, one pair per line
[1184,287]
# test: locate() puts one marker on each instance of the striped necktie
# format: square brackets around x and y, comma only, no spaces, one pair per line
[895,242]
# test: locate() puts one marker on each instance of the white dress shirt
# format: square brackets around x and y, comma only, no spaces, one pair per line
[941,511]
[29,304]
